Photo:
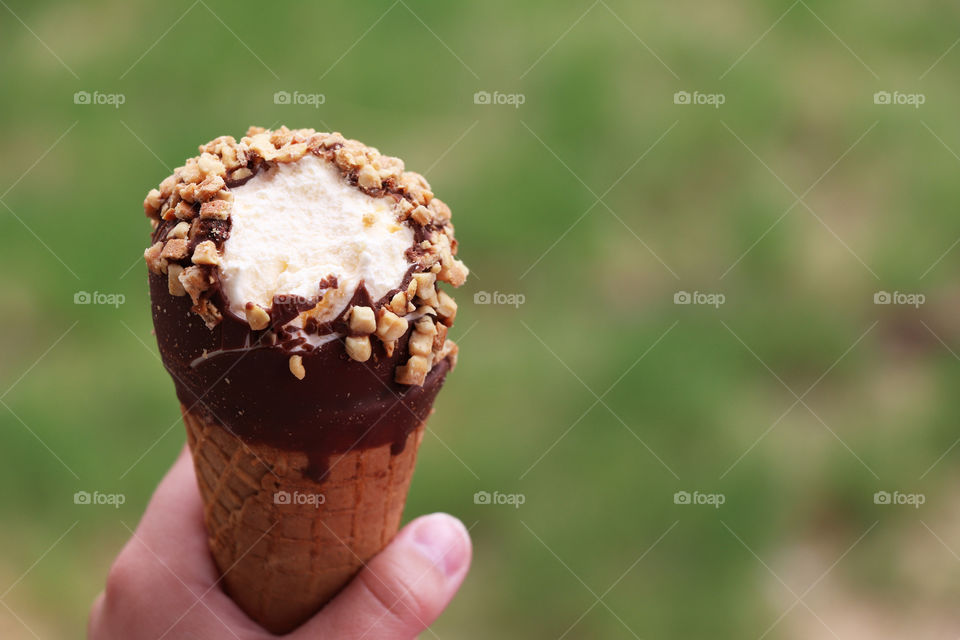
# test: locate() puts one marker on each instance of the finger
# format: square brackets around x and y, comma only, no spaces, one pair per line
[403,589]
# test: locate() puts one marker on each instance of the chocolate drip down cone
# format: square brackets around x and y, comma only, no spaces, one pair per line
[294,279]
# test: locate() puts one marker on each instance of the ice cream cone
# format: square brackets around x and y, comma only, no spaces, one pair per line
[284,543]
[294,280]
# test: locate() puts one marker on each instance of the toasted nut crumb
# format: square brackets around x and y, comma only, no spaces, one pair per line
[210,314]
[359,348]
[391,326]
[179,231]
[216,209]
[440,209]
[184,211]
[174,249]
[389,347]
[188,192]
[447,309]
[155,263]
[368,178]
[210,187]
[257,318]
[363,320]
[435,268]
[440,338]
[421,215]
[296,367]
[414,372]
[399,303]
[173,280]
[412,288]
[195,281]
[291,152]
[450,350]
[210,165]
[453,271]
[261,145]
[153,202]
[426,325]
[190,172]
[425,288]
[241,174]
[206,253]
[404,208]
[421,344]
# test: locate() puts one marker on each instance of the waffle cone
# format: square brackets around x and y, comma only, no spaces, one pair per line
[281,562]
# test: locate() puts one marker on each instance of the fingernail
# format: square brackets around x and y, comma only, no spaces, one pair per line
[442,539]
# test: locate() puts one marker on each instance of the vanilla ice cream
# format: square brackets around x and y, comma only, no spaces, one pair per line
[297,223]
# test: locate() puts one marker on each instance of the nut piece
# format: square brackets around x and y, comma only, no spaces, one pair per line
[421,215]
[421,344]
[363,320]
[425,288]
[447,308]
[184,211]
[414,372]
[210,187]
[359,348]
[152,203]
[391,326]
[210,165]
[174,249]
[399,303]
[296,367]
[206,253]
[257,318]
[174,286]
[368,178]
[216,209]
[155,263]
[179,231]
[194,281]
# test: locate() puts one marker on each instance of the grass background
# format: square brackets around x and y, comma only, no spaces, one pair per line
[597,199]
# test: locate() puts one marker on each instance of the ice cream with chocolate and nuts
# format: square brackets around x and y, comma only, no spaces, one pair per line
[295,279]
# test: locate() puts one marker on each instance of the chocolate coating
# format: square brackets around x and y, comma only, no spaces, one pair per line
[340,405]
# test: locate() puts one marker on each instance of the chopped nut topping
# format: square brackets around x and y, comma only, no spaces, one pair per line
[399,303]
[368,178]
[173,280]
[421,215]
[206,253]
[241,174]
[426,325]
[155,263]
[175,249]
[195,281]
[211,165]
[447,308]
[291,153]
[362,320]
[440,338]
[414,372]
[184,211]
[296,367]
[210,187]
[257,318]
[359,348]
[391,326]
[421,344]
[216,209]
[153,202]
[179,231]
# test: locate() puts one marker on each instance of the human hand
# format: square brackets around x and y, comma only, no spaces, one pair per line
[164,584]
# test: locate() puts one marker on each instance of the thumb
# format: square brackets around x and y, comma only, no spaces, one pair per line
[403,589]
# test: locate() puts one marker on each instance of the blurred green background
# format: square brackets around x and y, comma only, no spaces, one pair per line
[598,200]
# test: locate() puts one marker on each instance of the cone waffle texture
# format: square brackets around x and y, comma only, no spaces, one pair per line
[284,543]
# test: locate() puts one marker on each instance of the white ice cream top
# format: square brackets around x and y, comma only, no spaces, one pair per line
[297,223]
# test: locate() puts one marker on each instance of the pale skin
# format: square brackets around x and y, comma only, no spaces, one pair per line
[164,583]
